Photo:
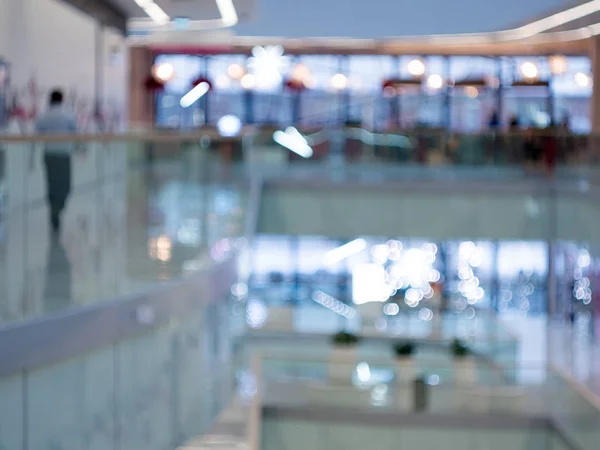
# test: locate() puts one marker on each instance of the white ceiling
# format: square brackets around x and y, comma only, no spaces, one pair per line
[371,19]
[385,18]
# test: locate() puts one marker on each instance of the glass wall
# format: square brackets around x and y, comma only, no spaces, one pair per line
[461,276]
[459,92]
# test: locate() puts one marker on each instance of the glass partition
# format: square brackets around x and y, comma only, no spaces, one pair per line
[138,213]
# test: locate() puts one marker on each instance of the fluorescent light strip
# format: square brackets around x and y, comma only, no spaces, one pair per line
[339,254]
[559,19]
[226,8]
[229,16]
[526,31]
[154,11]
[192,97]
[293,143]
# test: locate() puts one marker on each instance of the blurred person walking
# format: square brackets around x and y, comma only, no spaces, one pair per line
[57,155]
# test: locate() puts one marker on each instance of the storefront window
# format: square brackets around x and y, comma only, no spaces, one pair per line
[349,88]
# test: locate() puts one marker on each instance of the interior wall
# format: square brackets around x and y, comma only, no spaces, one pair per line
[51,44]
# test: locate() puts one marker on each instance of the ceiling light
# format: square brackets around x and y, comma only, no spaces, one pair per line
[582,80]
[236,71]
[163,72]
[339,82]
[229,125]
[293,141]
[156,13]
[529,70]
[267,64]
[340,253]
[435,81]
[558,64]
[558,19]
[248,81]
[494,82]
[471,91]
[228,14]
[222,82]
[301,73]
[192,97]
[226,9]
[416,67]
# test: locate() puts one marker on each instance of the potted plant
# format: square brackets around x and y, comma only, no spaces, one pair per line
[405,363]
[344,355]
[343,339]
[464,366]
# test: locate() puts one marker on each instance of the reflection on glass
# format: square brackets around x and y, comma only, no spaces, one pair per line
[409,276]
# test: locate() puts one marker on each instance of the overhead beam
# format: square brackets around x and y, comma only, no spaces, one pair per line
[103,11]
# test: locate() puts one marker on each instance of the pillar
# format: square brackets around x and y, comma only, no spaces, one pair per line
[141,102]
[594,54]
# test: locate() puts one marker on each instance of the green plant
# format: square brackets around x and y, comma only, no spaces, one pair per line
[459,349]
[345,339]
[402,349]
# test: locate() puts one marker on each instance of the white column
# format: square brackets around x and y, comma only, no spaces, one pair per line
[594,54]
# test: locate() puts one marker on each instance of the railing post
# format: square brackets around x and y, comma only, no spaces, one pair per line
[420,395]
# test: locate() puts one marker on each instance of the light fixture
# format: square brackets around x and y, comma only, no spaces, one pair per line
[222,82]
[416,68]
[293,141]
[163,72]
[192,97]
[267,64]
[471,91]
[556,20]
[236,71]
[583,80]
[558,64]
[302,74]
[248,81]
[228,13]
[529,70]
[229,125]
[494,82]
[339,82]
[154,11]
[435,81]
[340,253]
[160,248]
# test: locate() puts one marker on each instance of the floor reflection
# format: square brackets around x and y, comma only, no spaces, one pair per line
[57,293]
[117,237]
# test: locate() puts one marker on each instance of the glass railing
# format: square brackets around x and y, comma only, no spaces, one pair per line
[430,388]
[426,154]
[140,211]
[145,210]
[154,390]
[486,335]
